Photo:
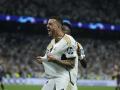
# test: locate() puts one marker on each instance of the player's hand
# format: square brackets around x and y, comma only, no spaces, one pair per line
[38,59]
[51,57]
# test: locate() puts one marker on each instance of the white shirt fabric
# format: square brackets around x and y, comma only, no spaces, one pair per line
[67,45]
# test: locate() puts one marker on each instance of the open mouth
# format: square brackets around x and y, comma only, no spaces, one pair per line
[48,30]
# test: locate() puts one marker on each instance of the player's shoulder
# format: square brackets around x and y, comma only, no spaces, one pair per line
[69,39]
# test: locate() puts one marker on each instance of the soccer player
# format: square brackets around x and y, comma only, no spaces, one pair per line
[61,60]
[80,51]
[116,75]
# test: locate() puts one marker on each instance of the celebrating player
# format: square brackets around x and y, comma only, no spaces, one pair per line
[61,60]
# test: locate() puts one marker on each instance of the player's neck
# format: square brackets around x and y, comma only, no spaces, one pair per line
[58,36]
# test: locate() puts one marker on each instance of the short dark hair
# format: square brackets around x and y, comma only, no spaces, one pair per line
[59,19]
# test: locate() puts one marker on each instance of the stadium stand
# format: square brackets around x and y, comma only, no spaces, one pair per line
[84,11]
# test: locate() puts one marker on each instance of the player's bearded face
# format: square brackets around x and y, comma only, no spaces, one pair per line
[51,27]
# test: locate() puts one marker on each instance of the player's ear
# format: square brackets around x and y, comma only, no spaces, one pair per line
[59,25]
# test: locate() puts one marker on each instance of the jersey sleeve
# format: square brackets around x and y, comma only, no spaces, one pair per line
[71,51]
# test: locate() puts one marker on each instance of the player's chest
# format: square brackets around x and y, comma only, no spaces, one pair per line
[57,48]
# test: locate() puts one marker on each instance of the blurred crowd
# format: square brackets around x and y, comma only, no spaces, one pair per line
[102,56]
[18,52]
[80,10]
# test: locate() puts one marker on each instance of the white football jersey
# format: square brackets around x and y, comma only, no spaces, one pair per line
[66,46]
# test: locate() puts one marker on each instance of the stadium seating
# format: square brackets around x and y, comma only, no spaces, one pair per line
[82,10]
